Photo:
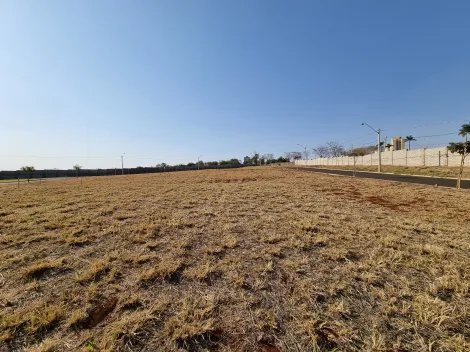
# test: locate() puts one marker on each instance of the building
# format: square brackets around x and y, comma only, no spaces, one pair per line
[398,143]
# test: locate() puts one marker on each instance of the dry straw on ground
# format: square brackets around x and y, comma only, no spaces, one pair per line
[263,259]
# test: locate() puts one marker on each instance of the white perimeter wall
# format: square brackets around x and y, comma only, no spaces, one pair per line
[418,157]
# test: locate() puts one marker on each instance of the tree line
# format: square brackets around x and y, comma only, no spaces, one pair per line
[254,159]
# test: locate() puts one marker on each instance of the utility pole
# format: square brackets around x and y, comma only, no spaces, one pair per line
[378,144]
[198,162]
[305,153]
[122,163]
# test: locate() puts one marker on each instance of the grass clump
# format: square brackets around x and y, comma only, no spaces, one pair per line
[168,269]
[38,270]
[195,319]
[95,270]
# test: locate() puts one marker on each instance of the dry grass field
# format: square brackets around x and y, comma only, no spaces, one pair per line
[265,259]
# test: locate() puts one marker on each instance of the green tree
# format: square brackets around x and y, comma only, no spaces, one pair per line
[77,168]
[409,139]
[465,131]
[234,161]
[255,158]
[462,148]
[29,170]
[282,160]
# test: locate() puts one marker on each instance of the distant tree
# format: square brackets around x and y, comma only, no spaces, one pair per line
[190,164]
[465,131]
[234,161]
[336,149]
[388,146]
[212,163]
[255,157]
[409,139]
[355,153]
[267,157]
[322,151]
[282,160]
[462,148]
[361,151]
[29,170]
[77,168]
[305,153]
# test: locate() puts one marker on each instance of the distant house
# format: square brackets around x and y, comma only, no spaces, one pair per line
[398,143]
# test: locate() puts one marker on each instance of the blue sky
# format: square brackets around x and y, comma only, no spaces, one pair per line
[85,81]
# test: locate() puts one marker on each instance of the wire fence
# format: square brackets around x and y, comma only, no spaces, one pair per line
[418,157]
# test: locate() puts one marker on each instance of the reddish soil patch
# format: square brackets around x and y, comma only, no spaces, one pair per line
[383,202]
[99,312]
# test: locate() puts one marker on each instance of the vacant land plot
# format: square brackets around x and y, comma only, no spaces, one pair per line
[236,260]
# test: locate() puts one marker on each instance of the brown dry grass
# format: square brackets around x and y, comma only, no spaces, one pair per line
[239,260]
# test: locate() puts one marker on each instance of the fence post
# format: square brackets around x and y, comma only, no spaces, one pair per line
[406,157]
[447,157]
[424,156]
[392,156]
[439,153]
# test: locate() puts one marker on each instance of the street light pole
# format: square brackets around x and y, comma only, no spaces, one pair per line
[378,144]
[122,163]
[305,153]
[198,162]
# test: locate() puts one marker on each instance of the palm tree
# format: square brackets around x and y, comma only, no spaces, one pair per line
[465,131]
[409,139]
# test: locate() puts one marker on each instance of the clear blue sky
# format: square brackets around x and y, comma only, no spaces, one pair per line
[84,81]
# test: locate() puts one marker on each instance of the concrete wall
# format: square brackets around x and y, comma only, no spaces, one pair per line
[418,157]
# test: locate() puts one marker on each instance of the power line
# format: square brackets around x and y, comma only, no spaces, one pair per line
[437,135]
[428,125]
